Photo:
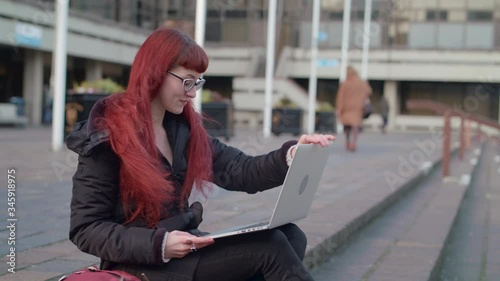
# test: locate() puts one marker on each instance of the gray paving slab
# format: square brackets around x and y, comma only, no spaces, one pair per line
[25,275]
[59,265]
[44,187]
[492,271]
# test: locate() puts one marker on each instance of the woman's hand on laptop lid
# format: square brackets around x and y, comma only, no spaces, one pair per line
[323,140]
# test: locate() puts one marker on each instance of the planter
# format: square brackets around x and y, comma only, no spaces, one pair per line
[78,107]
[286,120]
[326,122]
[221,115]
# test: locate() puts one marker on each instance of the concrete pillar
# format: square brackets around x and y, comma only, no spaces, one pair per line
[391,94]
[33,86]
[93,70]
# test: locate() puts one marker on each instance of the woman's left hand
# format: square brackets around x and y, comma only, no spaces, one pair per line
[323,140]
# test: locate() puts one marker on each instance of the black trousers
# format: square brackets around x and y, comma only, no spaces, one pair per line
[271,255]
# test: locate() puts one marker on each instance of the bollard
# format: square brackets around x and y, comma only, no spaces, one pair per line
[462,139]
[446,145]
[467,134]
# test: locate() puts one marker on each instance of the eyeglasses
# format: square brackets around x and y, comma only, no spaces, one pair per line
[188,83]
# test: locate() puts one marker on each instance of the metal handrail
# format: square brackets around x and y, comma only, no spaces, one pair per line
[447,112]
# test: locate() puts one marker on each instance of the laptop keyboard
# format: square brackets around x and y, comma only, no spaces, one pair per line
[262,223]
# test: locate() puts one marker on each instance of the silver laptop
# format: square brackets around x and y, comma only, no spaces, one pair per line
[297,192]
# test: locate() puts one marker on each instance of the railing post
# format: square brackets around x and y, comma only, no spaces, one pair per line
[478,136]
[462,139]
[446,144]
[467,134]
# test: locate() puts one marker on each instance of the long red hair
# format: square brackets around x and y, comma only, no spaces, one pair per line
[143,180]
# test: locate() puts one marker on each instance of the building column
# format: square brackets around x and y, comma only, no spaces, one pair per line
[93,70]
[391,94]
[33,86]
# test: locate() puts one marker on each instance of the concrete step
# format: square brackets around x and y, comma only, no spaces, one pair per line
[404,243]
[473,248]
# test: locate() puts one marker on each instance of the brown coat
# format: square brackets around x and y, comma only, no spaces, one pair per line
[350,100]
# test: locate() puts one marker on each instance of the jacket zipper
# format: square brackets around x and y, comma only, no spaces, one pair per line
[144,277]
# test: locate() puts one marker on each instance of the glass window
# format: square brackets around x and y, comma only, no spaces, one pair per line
[257,14]
[377,92]
[211,14]
[474,98]
[360,15]
[213,31]
[336,15]
[236,14]
[422,35]
[415,90]
[482,99]
[439,15]
[449,93]
[479,35]
[479,16]
[172,13]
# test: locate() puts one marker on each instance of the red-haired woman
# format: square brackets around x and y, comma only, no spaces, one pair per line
[140,154]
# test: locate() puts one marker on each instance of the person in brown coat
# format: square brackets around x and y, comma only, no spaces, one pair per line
[351,98]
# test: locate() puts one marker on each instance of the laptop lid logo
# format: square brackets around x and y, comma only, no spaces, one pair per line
[303,184]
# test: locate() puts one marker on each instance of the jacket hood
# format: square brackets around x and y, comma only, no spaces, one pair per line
[85,135]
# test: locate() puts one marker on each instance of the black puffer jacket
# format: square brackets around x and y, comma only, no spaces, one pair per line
[97,216]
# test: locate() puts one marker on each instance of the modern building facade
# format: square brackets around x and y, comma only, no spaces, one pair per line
[444,50]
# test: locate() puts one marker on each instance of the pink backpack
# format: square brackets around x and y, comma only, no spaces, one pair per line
[92,273]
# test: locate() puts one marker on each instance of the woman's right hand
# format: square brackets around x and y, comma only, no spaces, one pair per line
[180,243]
